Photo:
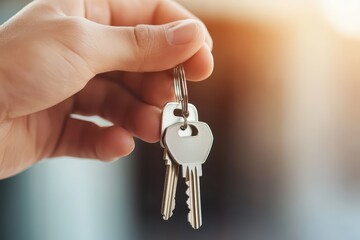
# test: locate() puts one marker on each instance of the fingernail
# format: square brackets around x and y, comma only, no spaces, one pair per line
[182,33]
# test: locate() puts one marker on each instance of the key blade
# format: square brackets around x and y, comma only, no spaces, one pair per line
[171,177]
[188,201]
[166,157]
[166,192]
[194,201]
[175,167]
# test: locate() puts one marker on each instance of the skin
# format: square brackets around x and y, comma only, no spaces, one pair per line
[109,58]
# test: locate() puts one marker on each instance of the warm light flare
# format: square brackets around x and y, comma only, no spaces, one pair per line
[343,15]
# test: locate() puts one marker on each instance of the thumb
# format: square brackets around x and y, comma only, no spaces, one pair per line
[144,47]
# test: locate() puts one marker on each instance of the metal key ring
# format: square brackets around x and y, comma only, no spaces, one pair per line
[181,92]
[177,85]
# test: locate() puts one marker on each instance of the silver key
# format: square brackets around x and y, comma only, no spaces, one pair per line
[171,177]
[170,117]
[190,152]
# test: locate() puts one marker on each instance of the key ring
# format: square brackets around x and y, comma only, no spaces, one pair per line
[181,92]
[181,88]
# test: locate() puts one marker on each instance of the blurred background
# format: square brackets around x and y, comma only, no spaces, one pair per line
[283,104]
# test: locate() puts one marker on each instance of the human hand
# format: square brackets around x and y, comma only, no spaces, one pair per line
[91,57]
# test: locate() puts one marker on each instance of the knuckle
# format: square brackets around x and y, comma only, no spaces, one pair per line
[77,36]
[73,24]
[73,30]
[144,39]
[142,36]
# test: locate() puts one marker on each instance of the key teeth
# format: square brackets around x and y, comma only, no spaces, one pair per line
[188,191]
[187,182]
[172,209]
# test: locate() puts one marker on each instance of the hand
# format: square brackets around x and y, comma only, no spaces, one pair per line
[91,57]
